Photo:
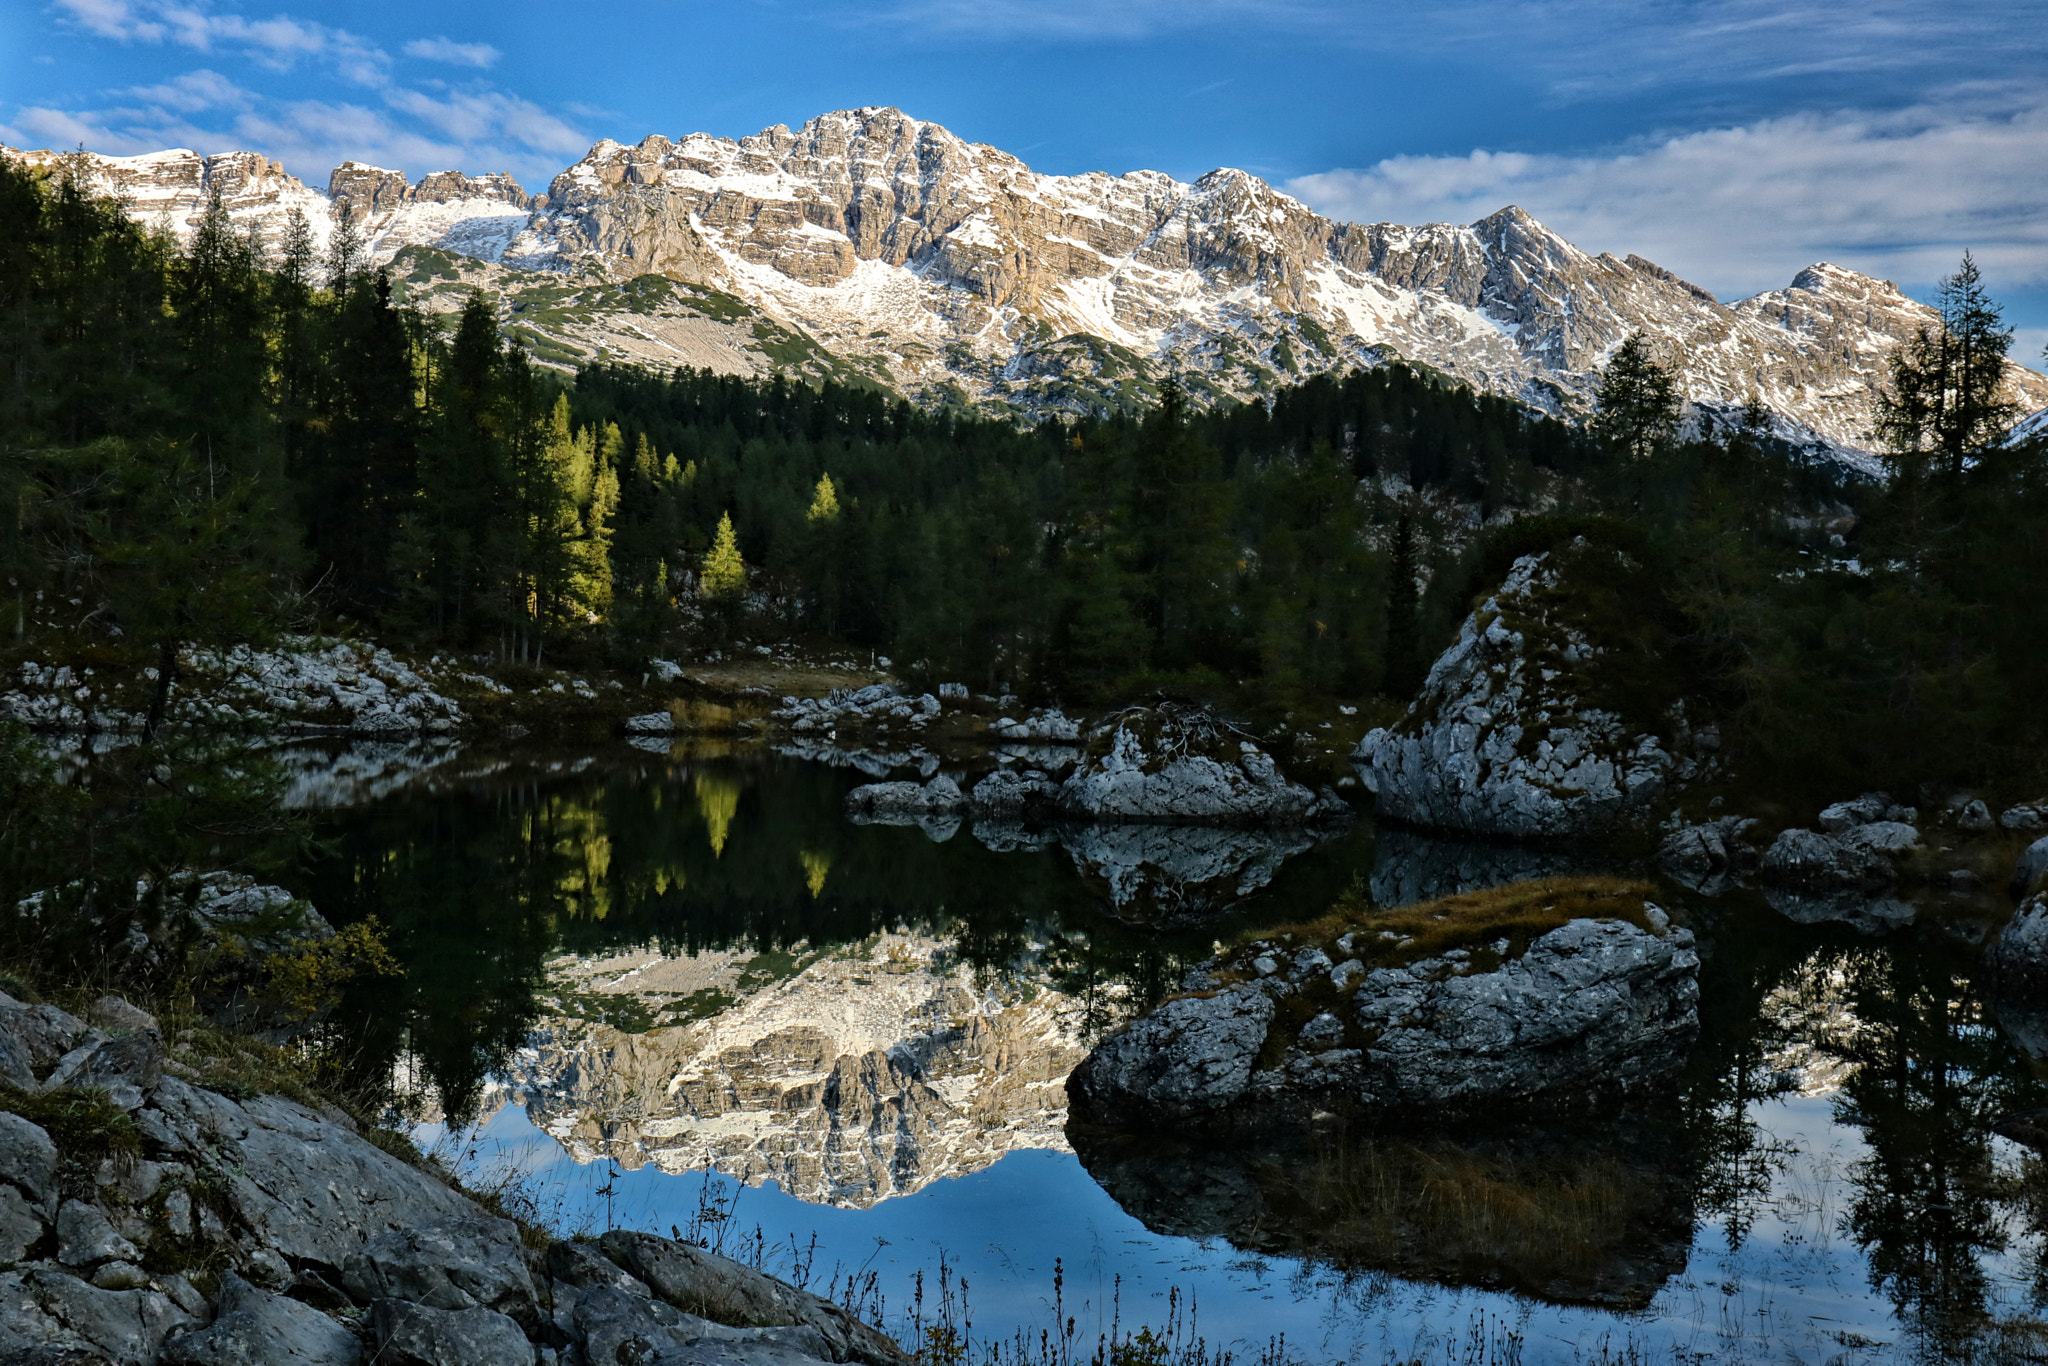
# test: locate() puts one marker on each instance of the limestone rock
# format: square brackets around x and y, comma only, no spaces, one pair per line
[699,1282]
[1710,856]
[1501,741]
[1179,765]
[415,1335]
[1008,793]
[477,1262]
[28,1161]
[620,1326]
[1807,861]
[1191,1057]
[1591,1007]
[2017,961]
[257,1328]
[905,803]
[2030,866]
[45,1310]
[652,723]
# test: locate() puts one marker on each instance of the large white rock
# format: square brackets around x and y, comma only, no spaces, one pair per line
[1499,741]
[1176,765]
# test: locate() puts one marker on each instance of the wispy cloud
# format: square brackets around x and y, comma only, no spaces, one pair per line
[1569,49]
[277,42]
[470,127]
[1899,194]
[479,55]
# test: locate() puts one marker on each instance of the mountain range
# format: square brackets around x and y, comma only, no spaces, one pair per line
[870,245]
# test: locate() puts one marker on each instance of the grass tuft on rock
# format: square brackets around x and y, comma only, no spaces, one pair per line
[1519,914]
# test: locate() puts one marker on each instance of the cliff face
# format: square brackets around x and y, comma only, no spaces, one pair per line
[951,269]
[848,1077]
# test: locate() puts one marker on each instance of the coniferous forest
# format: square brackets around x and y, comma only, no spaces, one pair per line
[202,444]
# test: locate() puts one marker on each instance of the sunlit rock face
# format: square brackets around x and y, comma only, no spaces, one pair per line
[940,266]
[847,1076]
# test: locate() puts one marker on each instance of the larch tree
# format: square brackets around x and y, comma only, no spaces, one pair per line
[725,574]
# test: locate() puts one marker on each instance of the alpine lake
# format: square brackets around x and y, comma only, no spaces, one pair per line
[672,986]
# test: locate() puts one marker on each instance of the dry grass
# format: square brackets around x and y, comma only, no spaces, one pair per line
[1519,913]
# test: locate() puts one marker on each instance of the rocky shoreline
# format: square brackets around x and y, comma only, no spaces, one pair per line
[148,1215]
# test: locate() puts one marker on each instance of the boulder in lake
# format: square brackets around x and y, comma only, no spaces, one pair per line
[1548,719]
[1172,764]
[1450,1008]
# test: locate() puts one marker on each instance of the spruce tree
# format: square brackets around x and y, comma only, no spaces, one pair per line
[1947,404]
[1404,639]
[1636,410]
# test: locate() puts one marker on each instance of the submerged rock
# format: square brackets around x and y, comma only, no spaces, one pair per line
[905,803]
[1709,857]
[1507,739]
[1594,1006]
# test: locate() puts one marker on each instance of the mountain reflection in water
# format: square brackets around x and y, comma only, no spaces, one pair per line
[682,962]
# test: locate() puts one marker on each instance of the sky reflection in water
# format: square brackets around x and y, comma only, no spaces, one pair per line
[1872,1218]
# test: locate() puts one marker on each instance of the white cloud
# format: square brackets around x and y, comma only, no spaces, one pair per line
[192,92]
[481,55]
[1736,210]
[277,42]
[472,116]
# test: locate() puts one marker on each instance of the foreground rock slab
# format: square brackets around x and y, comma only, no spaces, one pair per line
[289,1203]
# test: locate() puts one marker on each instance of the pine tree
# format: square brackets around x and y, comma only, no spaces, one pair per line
[1404,638]
[344,252]
[725,574]
[1947,405]
[1637,408]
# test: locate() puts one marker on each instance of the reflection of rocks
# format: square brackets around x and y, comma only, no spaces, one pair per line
[1870,914]
[1409,866]
[1176,874]
[366,771]
[1576,1219]
[876,762]
[856,1076]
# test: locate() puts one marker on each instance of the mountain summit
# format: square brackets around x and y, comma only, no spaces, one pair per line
[951,270]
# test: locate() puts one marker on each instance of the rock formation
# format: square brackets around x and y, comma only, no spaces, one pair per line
[1511,736]
[1277,1031]
[121,1168]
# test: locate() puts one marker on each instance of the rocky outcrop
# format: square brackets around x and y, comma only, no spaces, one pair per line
[1710,856]
[2030,867]
[307,686]
[333,1251]
[1509,738]
[1277,1032]
[1169,765]
[2016,964]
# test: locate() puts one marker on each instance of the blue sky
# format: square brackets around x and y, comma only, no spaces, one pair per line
[1730,140]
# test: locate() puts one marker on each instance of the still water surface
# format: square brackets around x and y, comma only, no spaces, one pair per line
[659,985]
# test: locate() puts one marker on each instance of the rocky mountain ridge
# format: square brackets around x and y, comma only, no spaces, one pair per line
[953,271]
